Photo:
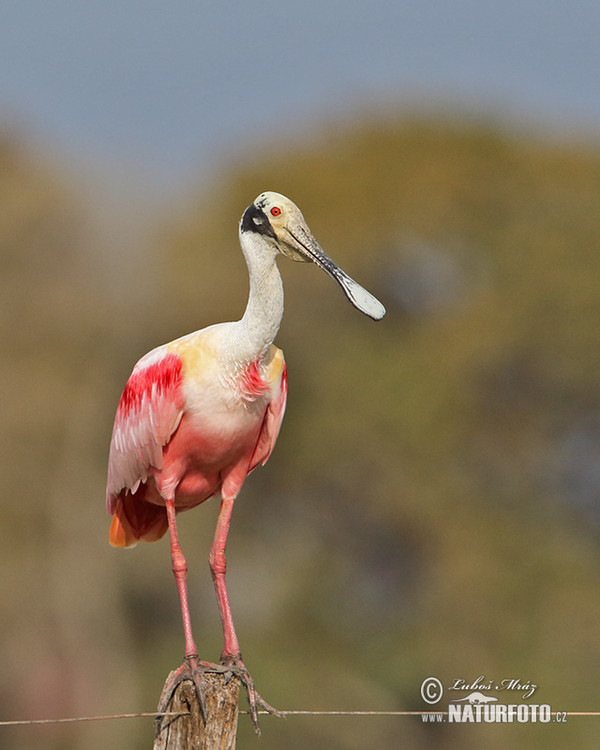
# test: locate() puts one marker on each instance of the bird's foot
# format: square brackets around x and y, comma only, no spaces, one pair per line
[189,670]
[233,666]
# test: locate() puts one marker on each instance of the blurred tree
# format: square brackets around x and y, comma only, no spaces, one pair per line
[58,602]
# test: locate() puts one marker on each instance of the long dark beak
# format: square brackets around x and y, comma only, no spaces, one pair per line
[301,241]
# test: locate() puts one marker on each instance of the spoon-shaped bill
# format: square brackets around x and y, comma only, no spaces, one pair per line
[358,295]
[303,241]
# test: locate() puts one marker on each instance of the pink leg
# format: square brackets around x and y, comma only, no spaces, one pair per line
[180,571]
[231,656]
[189,670]
[218,566]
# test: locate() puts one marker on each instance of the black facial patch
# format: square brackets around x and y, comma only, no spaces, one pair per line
[255,220]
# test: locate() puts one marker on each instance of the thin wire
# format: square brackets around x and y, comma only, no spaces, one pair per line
[398,713]
[154,714]
[349,713]
[578,713]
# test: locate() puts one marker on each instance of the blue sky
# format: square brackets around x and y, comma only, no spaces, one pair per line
[173,86]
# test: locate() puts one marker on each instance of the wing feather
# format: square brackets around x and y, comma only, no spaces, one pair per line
[148,414]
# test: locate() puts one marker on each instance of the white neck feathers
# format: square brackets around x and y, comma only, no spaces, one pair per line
[256,331]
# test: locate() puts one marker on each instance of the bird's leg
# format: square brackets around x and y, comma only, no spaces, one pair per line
[218,567]
[231,657]
[180,572]
[189,670]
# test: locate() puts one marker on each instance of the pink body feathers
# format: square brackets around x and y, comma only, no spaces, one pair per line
[180,435]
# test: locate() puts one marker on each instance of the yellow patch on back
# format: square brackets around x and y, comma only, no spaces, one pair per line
[196,353]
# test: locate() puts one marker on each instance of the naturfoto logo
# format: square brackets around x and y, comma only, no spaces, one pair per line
[470,701]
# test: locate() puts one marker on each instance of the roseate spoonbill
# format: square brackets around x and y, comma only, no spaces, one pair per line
[199,414]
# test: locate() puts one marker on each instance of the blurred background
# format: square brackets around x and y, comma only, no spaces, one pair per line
[431,507]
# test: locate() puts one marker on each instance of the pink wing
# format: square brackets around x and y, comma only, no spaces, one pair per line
[271,424]
[149,412]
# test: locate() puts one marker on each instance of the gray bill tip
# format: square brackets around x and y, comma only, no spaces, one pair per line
[360,298]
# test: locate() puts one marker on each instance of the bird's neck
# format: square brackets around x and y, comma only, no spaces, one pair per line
[257,329]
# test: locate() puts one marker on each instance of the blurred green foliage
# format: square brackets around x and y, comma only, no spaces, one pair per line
[431,505]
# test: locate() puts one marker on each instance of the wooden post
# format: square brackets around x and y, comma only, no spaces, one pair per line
[190,732]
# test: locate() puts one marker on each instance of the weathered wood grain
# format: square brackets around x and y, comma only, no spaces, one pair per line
[191,732]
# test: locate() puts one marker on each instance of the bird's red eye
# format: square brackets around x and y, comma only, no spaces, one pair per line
[275,211]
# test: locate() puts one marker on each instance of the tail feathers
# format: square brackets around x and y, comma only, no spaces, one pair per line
[135,520]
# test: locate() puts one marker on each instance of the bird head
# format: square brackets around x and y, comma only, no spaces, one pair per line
[280,221]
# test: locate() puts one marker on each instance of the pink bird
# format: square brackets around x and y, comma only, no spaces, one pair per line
[199,414]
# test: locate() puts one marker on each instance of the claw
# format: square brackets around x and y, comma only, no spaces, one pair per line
[189,670]
[234,666]
[192,669]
